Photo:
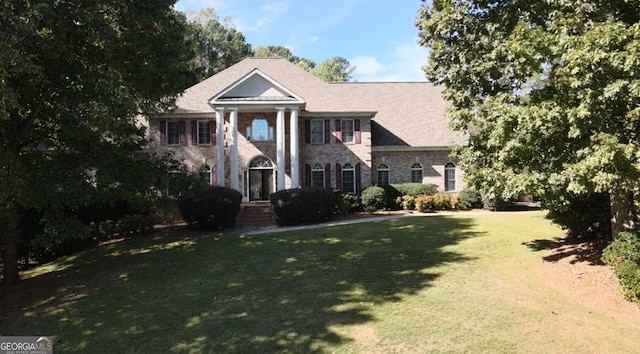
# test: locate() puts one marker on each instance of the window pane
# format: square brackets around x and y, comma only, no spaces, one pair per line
[260,130]
[450,177]
[347,130]
[173,133]
[383,177]
[416,173]
[204,132]
[317,132]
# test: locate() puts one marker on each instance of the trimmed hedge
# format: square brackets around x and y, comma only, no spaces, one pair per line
[302,205]
[623,255]
[416,189]
[374,198]
[211,208]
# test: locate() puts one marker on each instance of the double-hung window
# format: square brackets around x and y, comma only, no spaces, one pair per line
[347,129]
[173,133]
[416,173]
[317,131]
[204,132]
[348,178]
[383,174]
[317,176]
[450,177]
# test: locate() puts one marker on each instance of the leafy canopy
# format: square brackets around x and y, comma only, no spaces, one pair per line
[548,92]
[74,77]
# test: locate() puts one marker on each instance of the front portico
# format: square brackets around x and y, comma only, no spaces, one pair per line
[258,96]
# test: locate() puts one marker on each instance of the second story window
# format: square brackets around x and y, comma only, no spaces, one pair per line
[173,133]
[204,132]
[260,130]
[346,126]
[317,131]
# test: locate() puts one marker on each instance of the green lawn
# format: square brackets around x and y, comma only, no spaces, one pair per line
[440,283]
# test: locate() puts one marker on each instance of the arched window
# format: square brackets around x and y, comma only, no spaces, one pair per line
[416,173]
[450,176]
[348,177]
[260,130]
[205,174]
[383,174]
[261,162]
[317,176]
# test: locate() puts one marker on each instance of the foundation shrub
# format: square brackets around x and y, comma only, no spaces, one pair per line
[623,255]
[416,189]
[210,208]
[302,205]
[470,198]
[374,198]
[408,202]
[425,204]
[346,202]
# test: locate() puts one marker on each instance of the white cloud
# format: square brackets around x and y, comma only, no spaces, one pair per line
[314,39]
[403,63]
[366,67]
[270,13]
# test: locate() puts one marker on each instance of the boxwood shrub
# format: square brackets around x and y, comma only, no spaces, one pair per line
[346,202]
[302,205]
[211,208]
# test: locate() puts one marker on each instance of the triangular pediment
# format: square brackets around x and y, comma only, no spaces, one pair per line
[256,87]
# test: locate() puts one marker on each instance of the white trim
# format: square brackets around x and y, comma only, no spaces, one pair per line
[411,148]
[215,100]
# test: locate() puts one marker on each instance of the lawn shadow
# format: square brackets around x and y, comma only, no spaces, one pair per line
[578,249]
[280,292]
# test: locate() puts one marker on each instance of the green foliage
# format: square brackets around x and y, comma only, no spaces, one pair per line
[334,69]
[211,208]
[547,93]
[346,202]
[416,189]
[623,255]
[470,198]
[214,45]
[374,198]
[585,215]
[302,205]
[73,80]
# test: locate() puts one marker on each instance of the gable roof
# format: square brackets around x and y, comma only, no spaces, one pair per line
[408,113]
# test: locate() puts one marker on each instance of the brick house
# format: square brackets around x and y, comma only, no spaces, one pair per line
[265,124]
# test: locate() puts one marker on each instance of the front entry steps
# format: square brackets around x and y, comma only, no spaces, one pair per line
[255,214]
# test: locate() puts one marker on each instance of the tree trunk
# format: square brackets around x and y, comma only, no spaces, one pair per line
[10,257]
[623,211]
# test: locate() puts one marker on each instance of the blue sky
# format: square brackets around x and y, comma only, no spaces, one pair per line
[378,37]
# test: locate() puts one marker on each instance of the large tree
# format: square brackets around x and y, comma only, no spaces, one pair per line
[215,45]
[548,93]
[333,69]
[74,75]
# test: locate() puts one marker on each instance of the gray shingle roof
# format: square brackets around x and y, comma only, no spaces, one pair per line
[408,113]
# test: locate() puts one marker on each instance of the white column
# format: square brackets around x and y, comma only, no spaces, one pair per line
[280,148]
[233,143]
[295,157]
[220,146]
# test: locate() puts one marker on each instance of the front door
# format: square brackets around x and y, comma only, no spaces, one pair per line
[261,184]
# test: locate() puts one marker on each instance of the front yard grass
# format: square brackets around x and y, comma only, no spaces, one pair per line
[440,283]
